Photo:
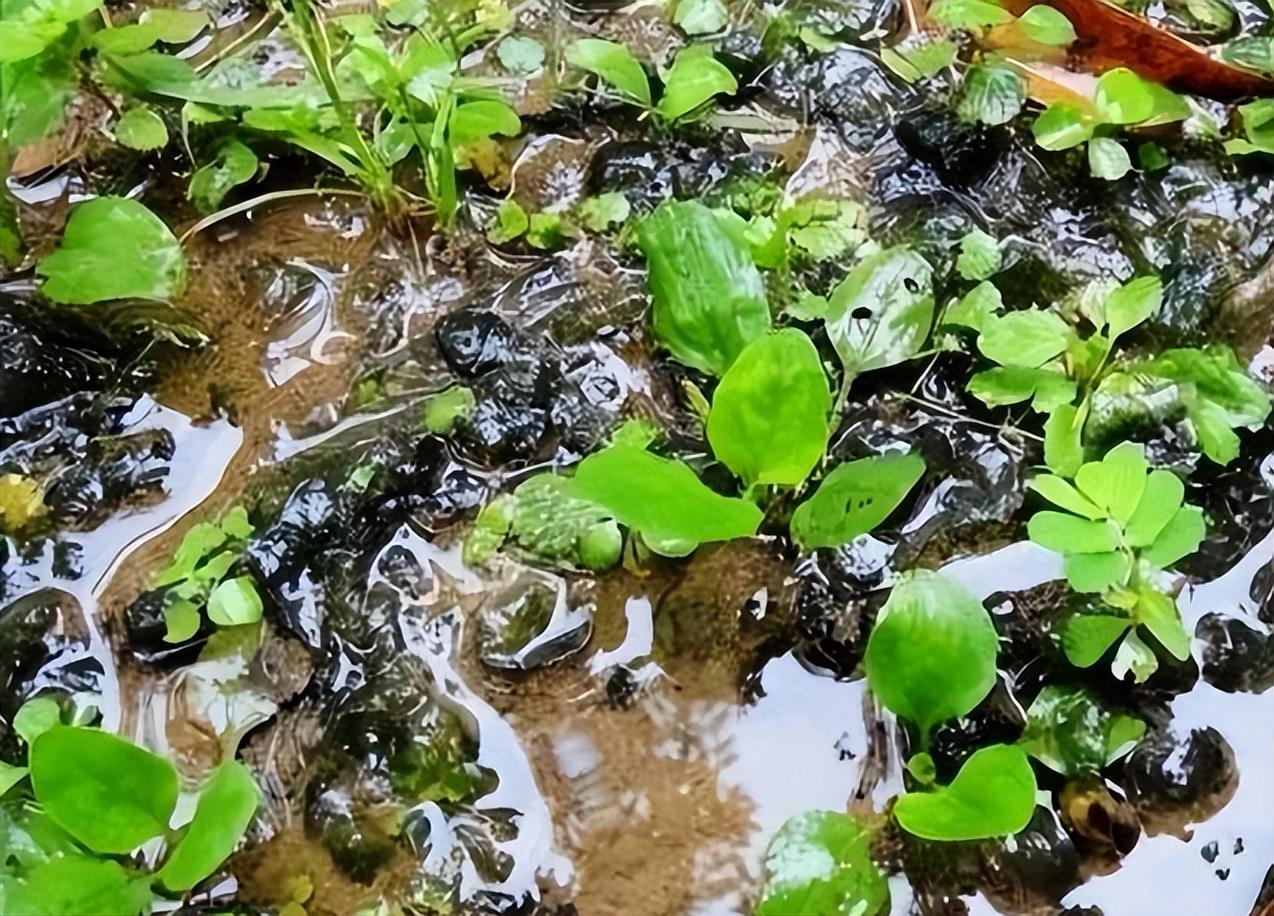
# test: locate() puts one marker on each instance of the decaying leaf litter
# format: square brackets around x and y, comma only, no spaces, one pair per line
[701,457]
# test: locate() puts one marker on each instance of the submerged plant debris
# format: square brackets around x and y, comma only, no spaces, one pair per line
[463,456]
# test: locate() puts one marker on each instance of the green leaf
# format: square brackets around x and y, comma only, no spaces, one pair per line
[1060,493]
[825,229]
[75,886]
[109,794]
[709,298]
[1134,657]
[235,602]
[141,129]
[991,94]
[599,213]
[819,863]
[854,498]
[1115,483]
[1061,127]
[1067,534]
[167,25]
[992,795]
[979,256]
[1160,500]
[10,776]
[1179,538]
[694,78]
[1047,26]
[1029,338]
[662,500]
[922,61]
[969,14]
[226,804]
[1014,384]
[35,717]
[1063,446]
[880,314]
[931,654]
[473,122]
[511,222]
[548,517]
[87,266]
[39,26]
[977,307]
[1253,51]
[769,413]
[1153,157]
[1158,613]
[448,408]
[700,17]
[1132,303]
[614,63]
[1087,637]
[1069,732]
[1108,159]
[1123,97]
[519,55]
[1093,573]
[235,164]
[181,620]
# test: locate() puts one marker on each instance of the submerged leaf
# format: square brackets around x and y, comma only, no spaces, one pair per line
[819,863]
[226,804]
[614,63]
[1068,731]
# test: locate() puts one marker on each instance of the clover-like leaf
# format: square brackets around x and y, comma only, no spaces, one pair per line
[1115,483]
[992,795]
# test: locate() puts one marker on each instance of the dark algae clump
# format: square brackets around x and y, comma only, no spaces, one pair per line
[681,457]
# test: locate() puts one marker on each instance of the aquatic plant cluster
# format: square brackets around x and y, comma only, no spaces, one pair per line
[774,321]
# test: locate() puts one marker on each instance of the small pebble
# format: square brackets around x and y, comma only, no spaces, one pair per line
[1238,846]
[1223,873]
[1209,852]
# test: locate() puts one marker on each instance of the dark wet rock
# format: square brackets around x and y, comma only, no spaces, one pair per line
[847,88]
[1176,777]
[39,367]
[475,341]
[111,472]
[434,486]
[1033,870]
[837,595]
[1102,822]
[144,629]
[25,566]
[960,152]
[359,842]
[743,52]
[1236,656]
[45,644]
[1238,501]
[636,169]
[1264,904]
[532,622]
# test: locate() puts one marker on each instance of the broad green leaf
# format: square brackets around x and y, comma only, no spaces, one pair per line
[548,518]
[1061,127]
[614,63]
[106,792]
[1115,483]
[1063,445]
[235,164]
[977,307]
[992,795]
[931,654]
[1134,657]
[921,62]
[75,886]
[1087,637]
[235,602]
[991,94]
[1217,376]
[1004,385]
[181,620]
[1028,338]
[39,26]
[472,122]
[510,223]
[1158,613]
[1108,159]
[709,298]
[880,314]
[10,776]
[35,717]
[662,500]
[1253,51]
[171,26]
[1123,97]
[141,129]
[1093,573]
[226,804]
[1047,26]
[769,413]
[1160,501]
[969,14]
[1068,534]
[979,255]
[1212,428]
[700,17]
[90,263]
[1179,538]
[1153,157]
[694,78]
[520,55]
[825,229]
[1132,303]
[819,864]
[1069,732]
[854,498]
[1060,493]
